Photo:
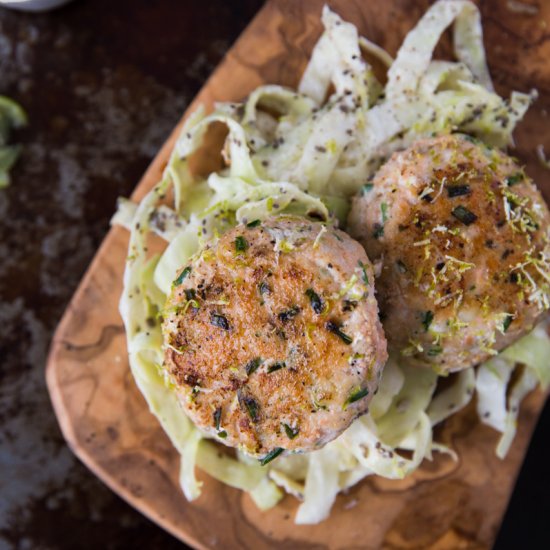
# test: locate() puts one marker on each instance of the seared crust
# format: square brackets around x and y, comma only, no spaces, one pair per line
[462,234]
[273,339]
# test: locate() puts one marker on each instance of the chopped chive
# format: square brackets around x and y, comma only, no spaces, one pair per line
[219,321]
[253,223]
[222,434]
[367,188]
[194,393]
[464,215]
[356,396]
[319,406]
[250,405]
[349,305]
[191,379]
[276,366]
[384,212]
[507,322]
[378,231]
[264,288]
[513,179]
[331,326]
[190,293]
[290,432]
[272,455]
[241,244]
[436,350]
[364,270]
[315,301]
[458,191]
[289,314]
[182,276]
[401,267]
[252,365]
[217,418]
[427,318]
[427,198]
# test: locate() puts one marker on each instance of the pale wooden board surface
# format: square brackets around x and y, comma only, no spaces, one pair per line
[445,505]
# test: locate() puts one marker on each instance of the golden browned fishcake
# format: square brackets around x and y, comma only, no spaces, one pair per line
[272,336]
[462,234]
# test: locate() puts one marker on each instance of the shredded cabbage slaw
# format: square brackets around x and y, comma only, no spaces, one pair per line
[303,153]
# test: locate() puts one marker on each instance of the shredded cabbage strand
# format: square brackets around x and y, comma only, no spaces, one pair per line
[497,401]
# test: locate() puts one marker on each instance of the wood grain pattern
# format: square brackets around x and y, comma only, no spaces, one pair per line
[106,421]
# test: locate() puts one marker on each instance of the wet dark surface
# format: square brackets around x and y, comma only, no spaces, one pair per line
[103,83]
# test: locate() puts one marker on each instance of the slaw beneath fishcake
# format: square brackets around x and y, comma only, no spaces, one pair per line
[309,159]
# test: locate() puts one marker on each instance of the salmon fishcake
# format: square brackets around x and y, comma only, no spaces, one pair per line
[272,336]
[462,235]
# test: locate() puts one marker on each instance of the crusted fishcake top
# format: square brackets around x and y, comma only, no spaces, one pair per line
[272,335]
[463,235]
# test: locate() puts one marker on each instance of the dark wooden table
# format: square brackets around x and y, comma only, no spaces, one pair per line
[104,82]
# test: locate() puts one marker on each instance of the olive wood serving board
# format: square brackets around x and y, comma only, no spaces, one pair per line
[106,422]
